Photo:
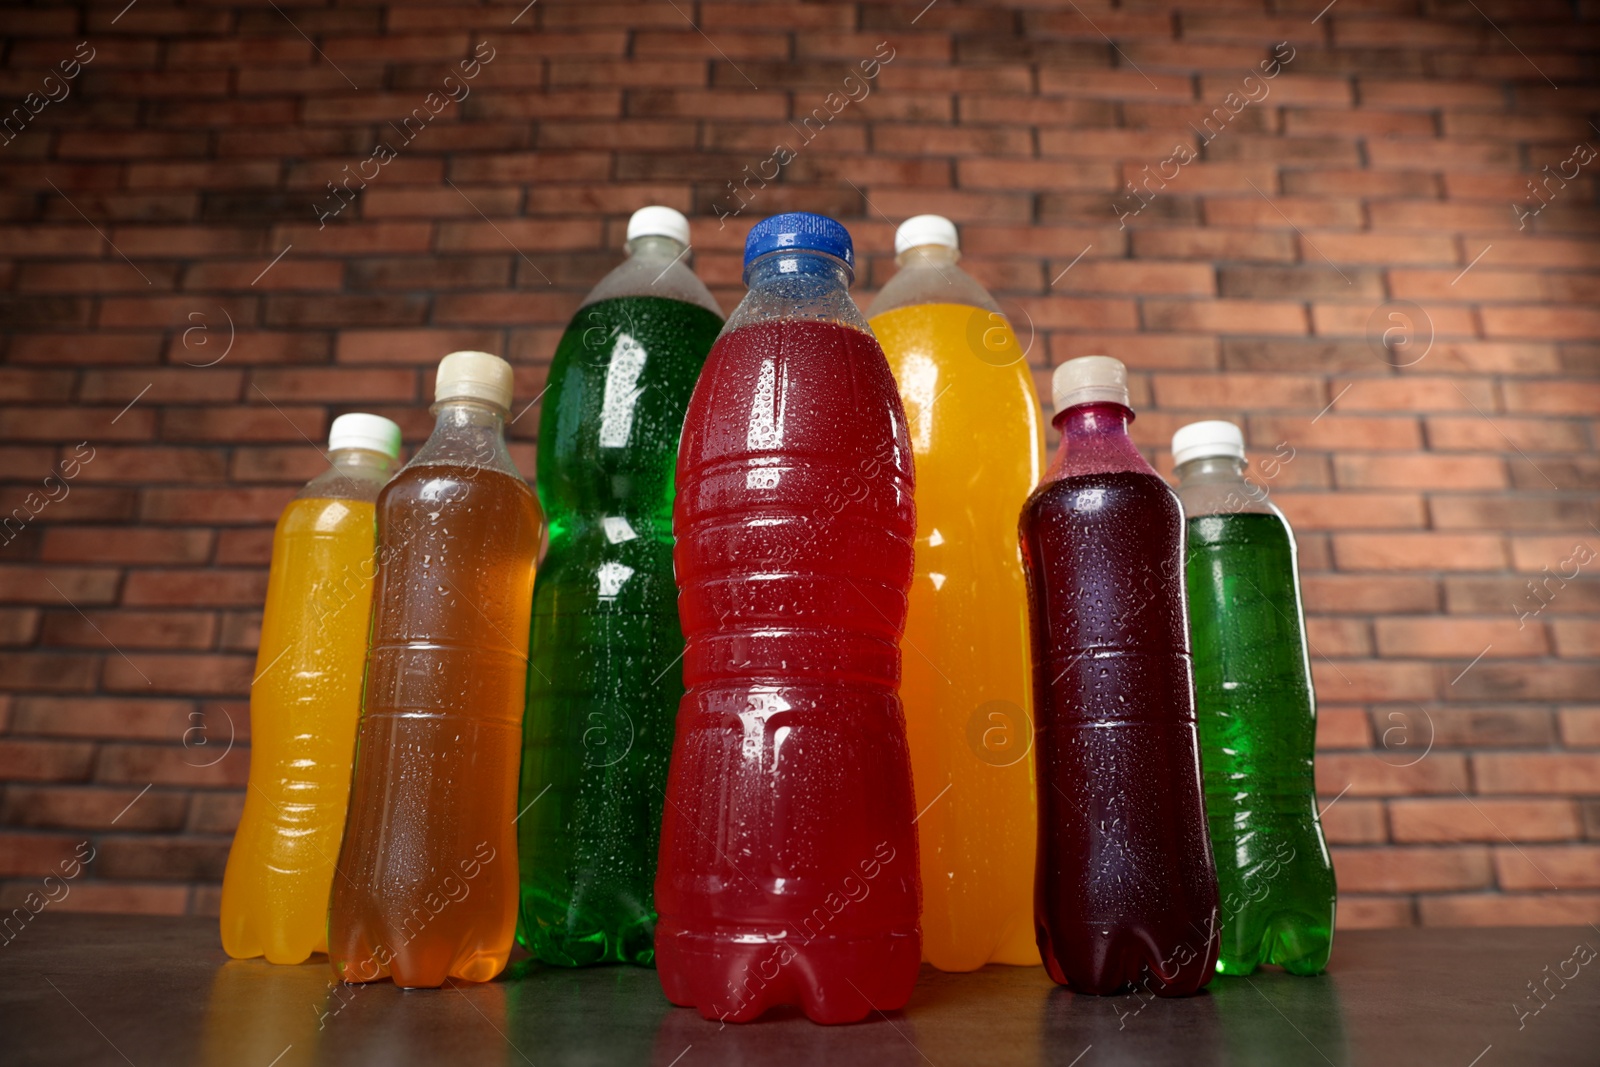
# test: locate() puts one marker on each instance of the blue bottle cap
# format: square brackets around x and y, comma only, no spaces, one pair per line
[799,230]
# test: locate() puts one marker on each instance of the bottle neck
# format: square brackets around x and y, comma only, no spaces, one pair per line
[1098,419]
[362,463]
[1211,470]
[776,267]
[467,433]
[352,474]
[1095,439]
[461,413]
[932,256]
[655,246]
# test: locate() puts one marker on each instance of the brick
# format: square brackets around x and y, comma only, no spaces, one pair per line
[18,626]
[1525,512]
[1576,638]
[1580,727]
[216,813]
[1517,597]
[1412,393]
[1381,774]
[1373,913]
[1357,123]
[73,808]
[1480,727]
[1379,249]
[172,765]
[57,585]
[1342,728]
[137,464]
[1505,909]
[1355,680]
[1477,434]
[1338,432]
[1453,154]
[1566,398]
[1367,471]
[117,898]
[36,854]
[1307,282]
[1542,867]
[1541,322]
[1419,551]
[1351,510]
[1537,773]
[249,545]
[1402,869]
[1540,251]
[184,674]
[113,544]
[125,629]
[1225,316]
[1560,681]
[102,717]
[1208,244]
[195,587]
[1338,638]
[1223,390]
[1449,638]
[1355,822]
[267,422]
[161,858]
[1559,556]
[1482,819]
[365,387]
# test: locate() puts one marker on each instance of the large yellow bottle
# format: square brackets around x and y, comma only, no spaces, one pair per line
[305,701]
[977,440]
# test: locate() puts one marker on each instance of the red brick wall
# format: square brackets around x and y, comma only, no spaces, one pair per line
[172,301]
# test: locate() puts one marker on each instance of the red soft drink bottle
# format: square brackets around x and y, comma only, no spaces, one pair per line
[788,867]
[1125,892]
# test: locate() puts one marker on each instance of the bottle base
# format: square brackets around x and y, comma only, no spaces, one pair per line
[420,966]
[833,980]
[245,941]
[1299,945]
[634,946]
[1109,961]
[1014,947]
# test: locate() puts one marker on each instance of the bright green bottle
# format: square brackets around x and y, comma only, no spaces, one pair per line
[1257,711]
[604,675]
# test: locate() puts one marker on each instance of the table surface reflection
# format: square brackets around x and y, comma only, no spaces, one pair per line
[82,989]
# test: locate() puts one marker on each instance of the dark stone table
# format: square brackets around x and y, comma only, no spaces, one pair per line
[81,989]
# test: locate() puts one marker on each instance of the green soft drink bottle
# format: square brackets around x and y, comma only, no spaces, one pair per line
[1257,711]
[604,676]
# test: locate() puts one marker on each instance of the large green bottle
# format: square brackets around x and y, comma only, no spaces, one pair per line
[1257,711]
[604,676]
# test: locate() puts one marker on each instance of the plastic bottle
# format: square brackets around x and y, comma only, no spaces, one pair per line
[977,436]
[428,869]
[605,681]
[305,701]
[1126,891]
[1257,711]
[788,852]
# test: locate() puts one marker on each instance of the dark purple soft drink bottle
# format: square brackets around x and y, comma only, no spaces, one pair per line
[1125,892]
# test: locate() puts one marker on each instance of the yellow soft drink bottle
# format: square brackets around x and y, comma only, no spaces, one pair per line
[306,700]
[977,440]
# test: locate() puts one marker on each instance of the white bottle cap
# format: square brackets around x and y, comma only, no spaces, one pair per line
[657,221]
[925,230]
[371,432]
[1199,440]
[1087,379]
[474,376]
